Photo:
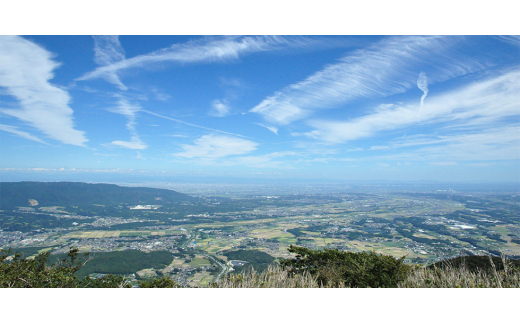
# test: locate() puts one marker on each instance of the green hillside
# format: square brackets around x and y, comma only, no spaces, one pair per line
[71,193]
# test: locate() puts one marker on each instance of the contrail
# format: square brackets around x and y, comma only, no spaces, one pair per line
[190,124]
[422,84]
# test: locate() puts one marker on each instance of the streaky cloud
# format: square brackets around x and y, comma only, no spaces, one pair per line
[129,110]
[498,143]
[270,128]
[385,68]
[23,134]
[25,71]
[478,105]
[191,124]
[107,51]
[207,50]
[512,39]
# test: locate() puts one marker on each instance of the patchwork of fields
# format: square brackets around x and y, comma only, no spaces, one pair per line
[423,228]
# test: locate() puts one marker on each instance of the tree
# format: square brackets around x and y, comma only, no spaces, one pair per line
[19,272]
[164,282]
[337,268]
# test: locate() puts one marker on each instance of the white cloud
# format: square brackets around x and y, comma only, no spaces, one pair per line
[215,146]
[270,128]
[499,143]
[22,134]
[129,110]
[494,144]
[107,50]
[207,50]
[219,108]
[386,68]
[422,84]
[481,104]
[135,143]
[25,69]
[512,39]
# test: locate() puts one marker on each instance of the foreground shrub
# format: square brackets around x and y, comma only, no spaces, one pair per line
[335,268]
[310,269]
[163,282]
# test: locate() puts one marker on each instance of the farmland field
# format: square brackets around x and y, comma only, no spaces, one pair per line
[199,261]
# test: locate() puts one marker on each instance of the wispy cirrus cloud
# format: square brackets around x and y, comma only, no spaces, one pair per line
[25,71]
[129,110]
[492,144]
[479,105]
[270,128]
[191,124]
[219,108]
[206,50]
[501,143]
[23,134]
[160,96]
[512,39]
[107,51]
[388,67]
[216,146]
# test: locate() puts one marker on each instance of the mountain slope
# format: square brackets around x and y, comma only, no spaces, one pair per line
[14,194]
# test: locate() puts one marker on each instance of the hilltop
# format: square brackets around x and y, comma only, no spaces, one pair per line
[18,194]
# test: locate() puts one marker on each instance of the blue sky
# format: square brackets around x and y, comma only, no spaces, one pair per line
[408,108]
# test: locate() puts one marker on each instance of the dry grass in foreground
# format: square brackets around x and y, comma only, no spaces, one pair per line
[272,277]
[447,277]
[462,277]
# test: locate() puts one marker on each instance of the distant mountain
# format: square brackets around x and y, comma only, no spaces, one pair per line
[14,194]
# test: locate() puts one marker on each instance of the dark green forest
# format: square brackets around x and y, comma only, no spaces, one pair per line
[475,263]
[255,259]
[26,222]
[120,262]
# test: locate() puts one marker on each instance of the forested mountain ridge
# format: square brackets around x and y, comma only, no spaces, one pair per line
[18,194]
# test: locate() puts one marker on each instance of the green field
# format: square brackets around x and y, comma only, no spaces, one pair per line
[199,262]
